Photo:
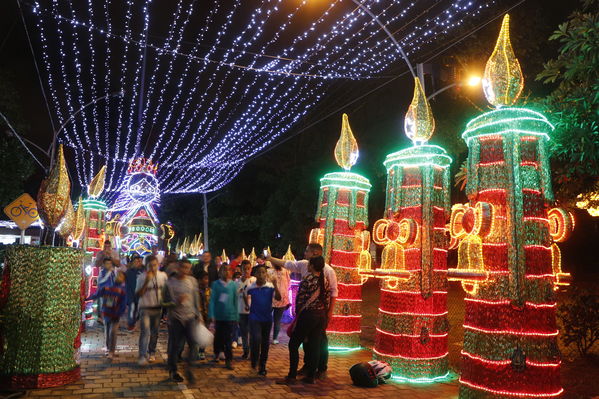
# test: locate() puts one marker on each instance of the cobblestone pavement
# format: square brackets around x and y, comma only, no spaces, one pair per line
[122,377]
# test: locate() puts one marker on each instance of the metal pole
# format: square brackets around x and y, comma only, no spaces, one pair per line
[373,16]
[206,248]
[443,89]
[22,237]
[420,73]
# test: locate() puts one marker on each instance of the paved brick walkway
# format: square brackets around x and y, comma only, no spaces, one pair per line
[122,377]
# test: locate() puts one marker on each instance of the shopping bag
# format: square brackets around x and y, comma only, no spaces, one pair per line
[202,335]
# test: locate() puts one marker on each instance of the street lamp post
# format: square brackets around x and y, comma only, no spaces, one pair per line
[378,21]
[472,81]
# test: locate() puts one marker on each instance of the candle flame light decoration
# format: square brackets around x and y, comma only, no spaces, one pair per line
[508,259]
[41,327]
[343,217]
[412,327]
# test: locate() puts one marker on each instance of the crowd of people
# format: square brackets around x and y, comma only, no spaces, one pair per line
[242,303]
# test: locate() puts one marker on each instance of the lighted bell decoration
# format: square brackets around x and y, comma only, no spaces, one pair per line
[503,80]
[96,186]
[54,194]
[68,222]
[79,221]
[419,123]
[346,150]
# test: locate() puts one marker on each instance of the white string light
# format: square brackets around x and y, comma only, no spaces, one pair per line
[222,85]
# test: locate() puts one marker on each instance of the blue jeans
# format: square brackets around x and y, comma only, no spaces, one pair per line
[150,324]
[244,332]
[178,333]
[277,314]
[260,342]
[132,314]
[110,331]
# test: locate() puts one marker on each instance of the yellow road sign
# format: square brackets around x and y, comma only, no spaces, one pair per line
[22,211]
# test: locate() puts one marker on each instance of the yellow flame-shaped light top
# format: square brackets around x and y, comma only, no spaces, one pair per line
[503,81]
[419,123]
[346,150]
[96,186]
[68,221]
[54,194]
[79,221]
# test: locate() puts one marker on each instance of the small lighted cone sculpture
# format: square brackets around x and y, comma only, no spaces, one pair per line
[252,256]
[243,255]
[53,198]
[507,234]
[412,325]
[224,258]
[342,216]
[289,254]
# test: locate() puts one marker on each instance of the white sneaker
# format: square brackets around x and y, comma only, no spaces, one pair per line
[152,358]
[234,344]
[142,361]
[276,341]
[221,356]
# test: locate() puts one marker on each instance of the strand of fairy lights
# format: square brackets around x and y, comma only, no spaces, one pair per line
[260,142]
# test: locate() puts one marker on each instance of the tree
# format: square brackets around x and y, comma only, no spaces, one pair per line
[16,165]
[573,105]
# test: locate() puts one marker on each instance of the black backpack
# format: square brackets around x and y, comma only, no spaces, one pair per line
[363,375]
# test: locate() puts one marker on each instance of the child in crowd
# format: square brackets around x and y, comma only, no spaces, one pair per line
[244,306]
[105,279]
[260,319]
[114,301]
[204,301]
[283,279]
[223,308]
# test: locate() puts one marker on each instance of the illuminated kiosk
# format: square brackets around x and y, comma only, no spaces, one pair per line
[412,326]
[507,259]
[137,201]
[343,217]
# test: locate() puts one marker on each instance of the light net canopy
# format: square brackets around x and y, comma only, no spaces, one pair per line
[208,84]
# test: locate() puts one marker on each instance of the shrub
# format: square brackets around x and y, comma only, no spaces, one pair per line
[580,320]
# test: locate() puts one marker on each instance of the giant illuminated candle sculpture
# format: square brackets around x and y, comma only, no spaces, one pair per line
[343,217]
[507,259]
[411,332]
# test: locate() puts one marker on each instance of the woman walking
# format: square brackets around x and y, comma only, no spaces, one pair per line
[312,303]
